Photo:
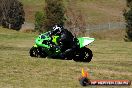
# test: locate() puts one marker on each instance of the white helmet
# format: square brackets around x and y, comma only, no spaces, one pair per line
[56,28]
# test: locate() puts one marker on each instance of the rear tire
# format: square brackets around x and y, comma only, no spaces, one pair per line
[84,55]
[87,55]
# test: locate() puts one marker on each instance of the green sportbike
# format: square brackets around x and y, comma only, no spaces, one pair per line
[48,46]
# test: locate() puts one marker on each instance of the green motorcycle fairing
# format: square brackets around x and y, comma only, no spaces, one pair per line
[43,37]
[44,41]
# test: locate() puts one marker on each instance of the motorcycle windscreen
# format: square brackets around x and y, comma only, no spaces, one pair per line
[83,41]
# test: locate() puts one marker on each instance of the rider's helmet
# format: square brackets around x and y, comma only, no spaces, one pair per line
[57,29]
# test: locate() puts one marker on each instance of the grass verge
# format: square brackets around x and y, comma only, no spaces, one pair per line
[112,60]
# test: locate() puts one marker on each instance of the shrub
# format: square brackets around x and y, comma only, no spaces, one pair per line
[13,15]
[128,18]
[39,17]
[54,13]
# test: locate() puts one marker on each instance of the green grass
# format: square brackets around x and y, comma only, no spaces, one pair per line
[118,34]
[112,60]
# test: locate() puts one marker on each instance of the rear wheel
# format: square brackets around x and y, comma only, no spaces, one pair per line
[87,55]
[84,54]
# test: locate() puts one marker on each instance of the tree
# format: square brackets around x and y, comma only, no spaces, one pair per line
[128,18]
[54,13]
[13,15]
[75,18]
[129,3]
[0,16]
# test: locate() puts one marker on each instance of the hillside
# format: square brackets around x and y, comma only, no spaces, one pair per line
[112,60]
[96,11]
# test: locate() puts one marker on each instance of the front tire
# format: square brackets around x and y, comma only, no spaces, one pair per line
[33,52]
[37,52]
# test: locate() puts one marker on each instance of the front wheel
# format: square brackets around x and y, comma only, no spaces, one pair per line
[37,52]
[34,52]
[84,55]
